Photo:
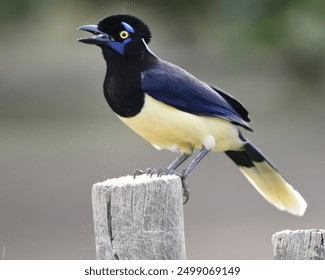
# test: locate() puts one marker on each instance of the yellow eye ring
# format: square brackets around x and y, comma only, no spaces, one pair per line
[124,34]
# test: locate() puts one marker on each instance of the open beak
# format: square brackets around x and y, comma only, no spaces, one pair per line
[99,39]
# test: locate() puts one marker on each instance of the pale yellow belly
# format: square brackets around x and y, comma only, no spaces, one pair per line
[168,128]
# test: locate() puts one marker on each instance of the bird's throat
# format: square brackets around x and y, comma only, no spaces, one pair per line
[122,85]
[124,94]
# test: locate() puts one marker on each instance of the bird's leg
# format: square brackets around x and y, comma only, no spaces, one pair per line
[163,171]
[183,174]
[178,161]
[203,152]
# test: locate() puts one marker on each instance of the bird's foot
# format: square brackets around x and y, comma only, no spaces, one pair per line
[162,171]
[186,192]
[154,171]
[139,172]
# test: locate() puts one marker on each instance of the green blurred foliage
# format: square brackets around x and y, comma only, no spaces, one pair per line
[11,10]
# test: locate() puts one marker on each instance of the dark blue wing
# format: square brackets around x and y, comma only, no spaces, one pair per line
[176,87]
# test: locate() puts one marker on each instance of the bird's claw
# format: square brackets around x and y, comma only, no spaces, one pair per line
[139,172]
[155,171]
[186,192]
[162,171]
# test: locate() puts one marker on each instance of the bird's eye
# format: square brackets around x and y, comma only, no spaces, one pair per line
[124,34]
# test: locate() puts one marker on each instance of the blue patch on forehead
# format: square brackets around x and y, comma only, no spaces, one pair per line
[128,27]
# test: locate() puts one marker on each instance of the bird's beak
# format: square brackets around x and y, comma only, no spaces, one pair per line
[100,37]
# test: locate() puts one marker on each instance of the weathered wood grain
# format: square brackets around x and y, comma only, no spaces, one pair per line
[139,218]
[299,245]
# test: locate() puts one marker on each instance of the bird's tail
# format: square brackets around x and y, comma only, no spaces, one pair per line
[267,180]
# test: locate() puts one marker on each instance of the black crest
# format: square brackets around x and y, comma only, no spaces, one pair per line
[110,24]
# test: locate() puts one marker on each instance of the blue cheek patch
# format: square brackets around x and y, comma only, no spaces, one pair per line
[126,41]
[119,46]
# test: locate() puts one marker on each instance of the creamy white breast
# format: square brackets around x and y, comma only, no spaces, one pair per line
[166,127]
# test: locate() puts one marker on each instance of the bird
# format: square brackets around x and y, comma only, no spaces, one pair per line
[173,110]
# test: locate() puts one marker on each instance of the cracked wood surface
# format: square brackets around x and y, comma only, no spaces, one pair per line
[299,245]
[139,218]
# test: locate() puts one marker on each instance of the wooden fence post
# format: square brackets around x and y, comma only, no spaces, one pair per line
[299,245]
[139,218]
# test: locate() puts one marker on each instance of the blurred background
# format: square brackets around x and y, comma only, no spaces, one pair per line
[58,137]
